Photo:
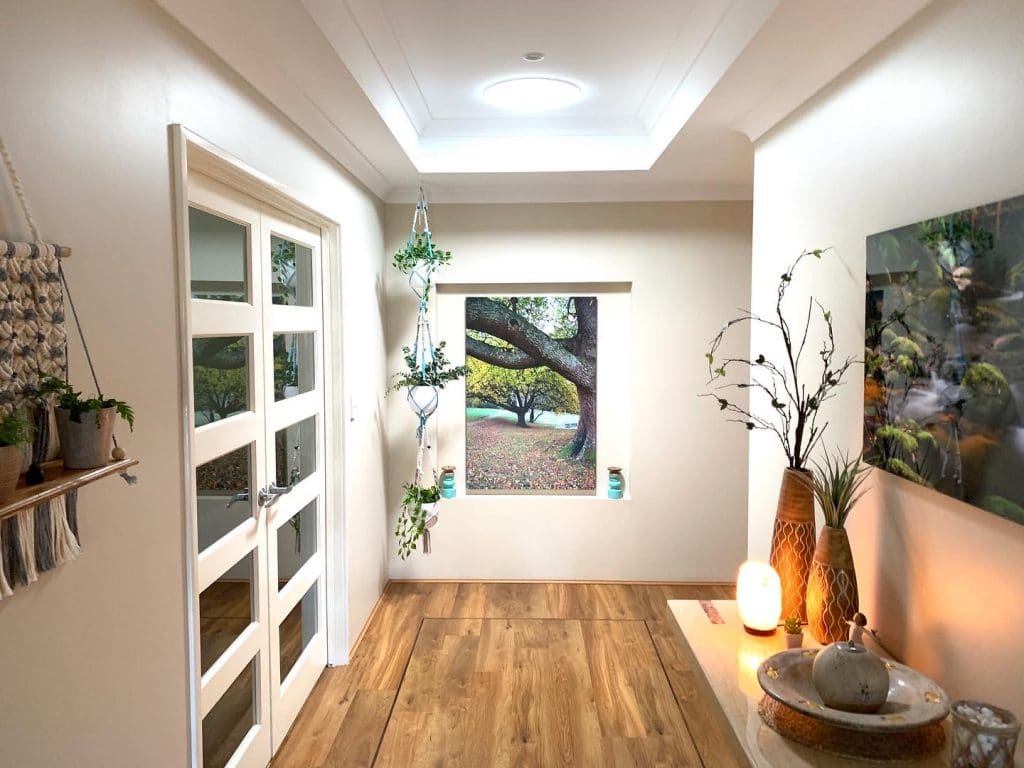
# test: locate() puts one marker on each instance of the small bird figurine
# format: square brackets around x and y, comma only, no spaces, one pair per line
[858,628]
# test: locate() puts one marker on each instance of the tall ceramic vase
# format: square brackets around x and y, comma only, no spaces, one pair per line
[793,540]
[832,597]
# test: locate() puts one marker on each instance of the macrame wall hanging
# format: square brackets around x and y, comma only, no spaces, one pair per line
[427,371]
[33,346]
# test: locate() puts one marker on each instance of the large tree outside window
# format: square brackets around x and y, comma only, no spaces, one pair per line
[532,378]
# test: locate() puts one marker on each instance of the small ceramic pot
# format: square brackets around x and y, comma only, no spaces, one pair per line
[448,482]
[851,678]
[86,444]
[615,482]
[11,461]
[794,641]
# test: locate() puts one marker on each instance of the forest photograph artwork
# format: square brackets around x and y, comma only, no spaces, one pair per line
[944,357]
[531,394]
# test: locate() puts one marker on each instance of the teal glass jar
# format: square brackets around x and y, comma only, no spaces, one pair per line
[448,482]
[615,482]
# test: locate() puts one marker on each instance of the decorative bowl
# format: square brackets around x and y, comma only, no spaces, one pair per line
[913,701]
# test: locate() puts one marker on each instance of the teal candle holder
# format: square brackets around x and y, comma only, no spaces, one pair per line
[615,482]
[448,482]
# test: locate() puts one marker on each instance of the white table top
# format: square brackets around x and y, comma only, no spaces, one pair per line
[726,659]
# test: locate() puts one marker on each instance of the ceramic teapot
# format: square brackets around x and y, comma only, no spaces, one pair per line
[850,677]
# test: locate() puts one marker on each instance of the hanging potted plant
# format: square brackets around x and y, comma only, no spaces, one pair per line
[420,259]
[832,598]
[15,432]
[425,374]
[418,507]
[791,397]
[86,426]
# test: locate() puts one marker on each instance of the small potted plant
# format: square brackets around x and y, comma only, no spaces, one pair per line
[85,425]
[418,506]
[15,432]
[422,378]
[420,259]
[794,632]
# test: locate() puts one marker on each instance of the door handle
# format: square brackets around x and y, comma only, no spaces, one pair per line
[268,496]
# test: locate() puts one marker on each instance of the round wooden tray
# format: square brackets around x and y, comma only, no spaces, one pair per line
[826,737]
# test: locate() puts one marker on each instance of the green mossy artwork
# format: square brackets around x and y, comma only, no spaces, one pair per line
[944,355]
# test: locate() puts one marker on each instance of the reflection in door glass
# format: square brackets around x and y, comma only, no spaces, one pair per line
[293,364]
[296,543]
[295,449]
[291,267]
[220,377]
[297,629]
[222,494]
[225,610]
[226,724]
[217,257]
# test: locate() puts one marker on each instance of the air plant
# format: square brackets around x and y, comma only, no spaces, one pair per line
[837,481]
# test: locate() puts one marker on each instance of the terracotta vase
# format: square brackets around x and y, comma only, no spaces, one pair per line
[832,597]
[793,540]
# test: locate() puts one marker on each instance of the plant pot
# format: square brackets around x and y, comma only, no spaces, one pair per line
[832,598]
[794,641]
[422,400]
[793,540]
[86,444]
[12,459]
[419,278]
[290,390]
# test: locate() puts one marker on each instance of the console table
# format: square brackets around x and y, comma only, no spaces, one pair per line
[725,661]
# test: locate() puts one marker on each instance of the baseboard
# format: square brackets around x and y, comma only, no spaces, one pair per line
[369,620]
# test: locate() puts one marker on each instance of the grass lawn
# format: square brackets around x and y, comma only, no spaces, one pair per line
[502,456]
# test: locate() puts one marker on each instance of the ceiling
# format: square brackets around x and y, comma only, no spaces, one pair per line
[674,91]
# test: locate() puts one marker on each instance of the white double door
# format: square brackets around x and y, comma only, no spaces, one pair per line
[258,407]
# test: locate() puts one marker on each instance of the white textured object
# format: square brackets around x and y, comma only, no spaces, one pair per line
[849,677]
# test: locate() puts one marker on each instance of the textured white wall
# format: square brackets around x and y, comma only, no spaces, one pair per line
[689,265]
[927,124]
[94,656]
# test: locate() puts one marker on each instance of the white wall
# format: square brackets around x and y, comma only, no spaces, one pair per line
[688,264]
[93,656]
[927,124]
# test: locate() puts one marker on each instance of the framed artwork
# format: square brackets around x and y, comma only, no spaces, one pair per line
[944,356]
[531,394]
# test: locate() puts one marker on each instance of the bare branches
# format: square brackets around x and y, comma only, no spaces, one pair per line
[793,417]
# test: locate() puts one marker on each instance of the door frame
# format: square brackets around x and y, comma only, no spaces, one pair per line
[191,152]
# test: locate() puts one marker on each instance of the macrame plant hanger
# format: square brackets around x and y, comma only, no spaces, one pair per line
[32,336]
[423,400]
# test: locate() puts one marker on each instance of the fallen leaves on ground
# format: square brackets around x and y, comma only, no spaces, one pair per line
[503,456]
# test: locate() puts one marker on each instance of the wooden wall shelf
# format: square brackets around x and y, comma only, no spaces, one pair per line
[58,482]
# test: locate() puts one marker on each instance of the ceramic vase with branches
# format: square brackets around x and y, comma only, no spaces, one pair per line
[792,391]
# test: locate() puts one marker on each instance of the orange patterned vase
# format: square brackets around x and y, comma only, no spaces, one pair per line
[832,597]
[793,540]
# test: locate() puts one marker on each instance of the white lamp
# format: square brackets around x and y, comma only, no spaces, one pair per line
[759,597]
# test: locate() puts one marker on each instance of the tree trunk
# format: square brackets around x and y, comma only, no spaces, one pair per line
[585,440]
[521,418]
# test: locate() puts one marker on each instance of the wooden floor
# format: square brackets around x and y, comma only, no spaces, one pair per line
[477,675]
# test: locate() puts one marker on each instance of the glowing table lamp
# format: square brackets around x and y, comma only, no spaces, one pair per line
[758,597]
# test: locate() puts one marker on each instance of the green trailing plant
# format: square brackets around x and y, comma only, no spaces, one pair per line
[73,401]
[15,429]
[420,249]
[795,397]
[792,625]
[412,521]
[436,373]
[837,482]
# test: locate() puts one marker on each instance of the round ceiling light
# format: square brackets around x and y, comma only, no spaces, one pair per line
[533,56]
[532,94]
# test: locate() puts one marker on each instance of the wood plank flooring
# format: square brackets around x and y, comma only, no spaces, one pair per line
[512,674]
